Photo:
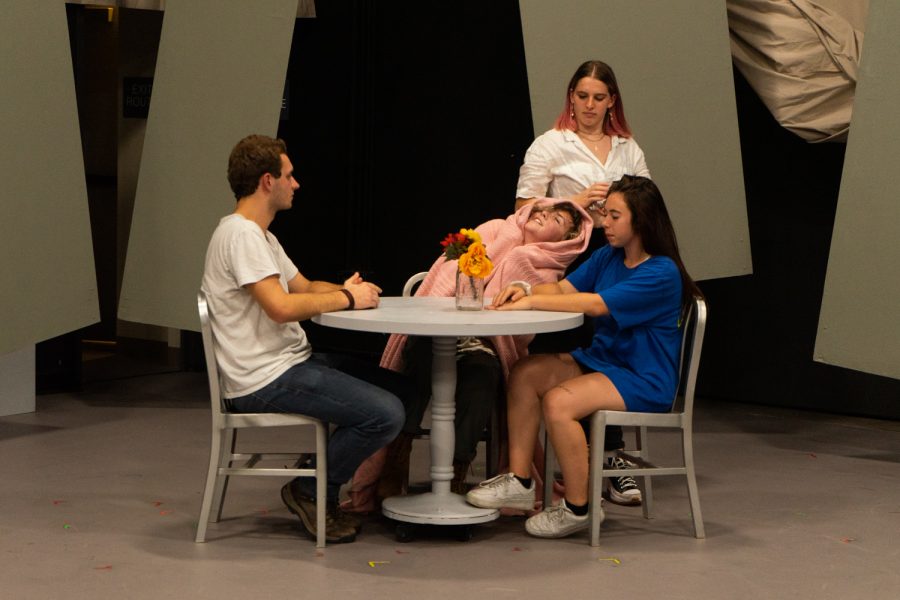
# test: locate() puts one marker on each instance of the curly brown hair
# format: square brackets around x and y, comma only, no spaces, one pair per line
[568,208]
[250,159]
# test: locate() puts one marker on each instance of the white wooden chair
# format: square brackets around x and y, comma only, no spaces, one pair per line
[222,455]
[680,418]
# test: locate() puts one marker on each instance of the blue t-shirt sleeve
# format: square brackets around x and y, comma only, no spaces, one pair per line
[584,278]
[649,294]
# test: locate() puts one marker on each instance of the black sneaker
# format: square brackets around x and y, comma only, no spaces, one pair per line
[337,529]
[621,490]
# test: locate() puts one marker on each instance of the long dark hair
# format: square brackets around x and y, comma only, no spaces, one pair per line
[650,220]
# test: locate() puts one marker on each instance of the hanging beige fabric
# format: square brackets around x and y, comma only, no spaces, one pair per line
[801,58]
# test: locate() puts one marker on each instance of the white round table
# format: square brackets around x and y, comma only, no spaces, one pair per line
[439,319]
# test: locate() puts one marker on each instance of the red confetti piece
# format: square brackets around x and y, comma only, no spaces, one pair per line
[103,568]
[847,540]
[813,455]
[165,512]
[157,503]
[401,551]
[57,502]
[517,549]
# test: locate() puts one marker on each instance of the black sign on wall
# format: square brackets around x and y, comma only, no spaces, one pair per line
[136,97]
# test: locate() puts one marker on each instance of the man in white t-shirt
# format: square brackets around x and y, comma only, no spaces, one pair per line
[256,296]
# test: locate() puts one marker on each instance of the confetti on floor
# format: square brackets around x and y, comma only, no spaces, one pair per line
[57,502]
[615,561]
[372,563]
[103,568]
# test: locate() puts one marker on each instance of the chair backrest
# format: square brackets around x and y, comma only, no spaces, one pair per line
[693,330]
[209,351]
[412,281]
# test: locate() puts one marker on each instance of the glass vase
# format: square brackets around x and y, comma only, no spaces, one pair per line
[469,292]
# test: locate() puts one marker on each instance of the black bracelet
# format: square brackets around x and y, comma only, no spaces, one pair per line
[349,298]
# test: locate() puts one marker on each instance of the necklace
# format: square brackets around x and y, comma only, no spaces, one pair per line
[595,141]
[585,136]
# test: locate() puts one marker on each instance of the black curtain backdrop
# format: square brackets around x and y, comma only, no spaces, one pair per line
[404,124]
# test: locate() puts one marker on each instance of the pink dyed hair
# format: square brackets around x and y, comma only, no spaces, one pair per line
[601,72]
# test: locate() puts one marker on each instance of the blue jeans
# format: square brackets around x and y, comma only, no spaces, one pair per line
[343,391]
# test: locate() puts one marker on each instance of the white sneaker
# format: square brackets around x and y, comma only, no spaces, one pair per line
[558,521]
[502,491]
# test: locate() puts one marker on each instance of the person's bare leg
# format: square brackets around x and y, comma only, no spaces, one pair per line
[530,379]
[563,406]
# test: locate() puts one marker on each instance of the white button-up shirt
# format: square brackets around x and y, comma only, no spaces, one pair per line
[559,165]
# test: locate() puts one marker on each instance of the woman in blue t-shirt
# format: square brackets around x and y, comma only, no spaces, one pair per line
[636,289]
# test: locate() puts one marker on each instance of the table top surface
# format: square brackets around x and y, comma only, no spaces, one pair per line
[439,317]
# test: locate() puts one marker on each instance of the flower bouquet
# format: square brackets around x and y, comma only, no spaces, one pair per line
[474,266]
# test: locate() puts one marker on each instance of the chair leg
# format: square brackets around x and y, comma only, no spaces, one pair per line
[226,449]
[596,462]
[690,476]
[643,443]
[321,482]
[209,492]
[549,471]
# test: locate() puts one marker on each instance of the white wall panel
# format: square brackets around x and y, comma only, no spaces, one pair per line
[859,325]
[219,76]
[47,282]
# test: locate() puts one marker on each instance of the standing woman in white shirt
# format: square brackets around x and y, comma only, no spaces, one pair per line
[589,147]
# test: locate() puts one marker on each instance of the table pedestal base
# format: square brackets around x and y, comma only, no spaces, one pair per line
[436,509]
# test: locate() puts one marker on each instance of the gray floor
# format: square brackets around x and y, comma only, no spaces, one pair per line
[101,491]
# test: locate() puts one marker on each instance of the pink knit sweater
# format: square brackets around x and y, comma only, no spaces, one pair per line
[538,262]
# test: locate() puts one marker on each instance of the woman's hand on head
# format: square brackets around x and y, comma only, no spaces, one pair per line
[596,192]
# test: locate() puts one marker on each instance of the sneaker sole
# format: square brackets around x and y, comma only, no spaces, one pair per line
[492,503]
[308,526]
[621,500]
[557,535]
[615,497]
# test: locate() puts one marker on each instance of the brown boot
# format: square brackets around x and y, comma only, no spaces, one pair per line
[395,476]
[458,484]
